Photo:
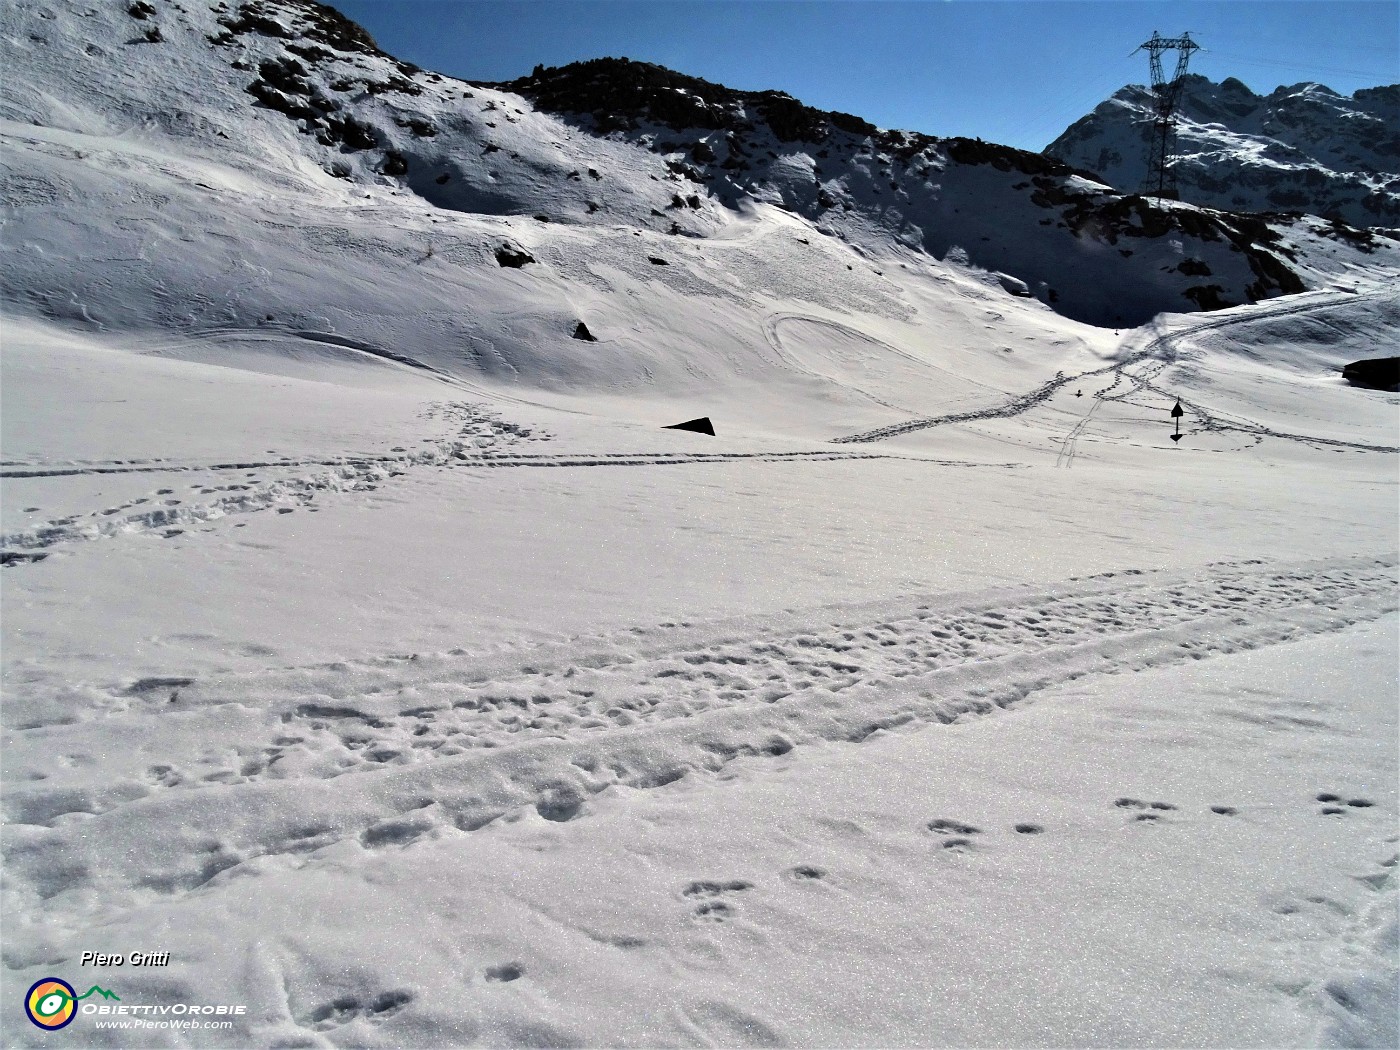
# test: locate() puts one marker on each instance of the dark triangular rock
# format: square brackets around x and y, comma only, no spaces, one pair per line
[700,426]
[582,332]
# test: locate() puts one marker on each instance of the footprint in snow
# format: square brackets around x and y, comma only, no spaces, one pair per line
[348,1008]
[1334,806]
[1148,812]
[942,826]
[955,835]
[712,906]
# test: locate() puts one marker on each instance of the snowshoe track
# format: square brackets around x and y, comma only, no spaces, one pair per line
[407,747]
[1157,356]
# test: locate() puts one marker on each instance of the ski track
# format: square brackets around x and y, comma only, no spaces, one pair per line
[1158,355]
[1071,442]
[391,750]
[485,441]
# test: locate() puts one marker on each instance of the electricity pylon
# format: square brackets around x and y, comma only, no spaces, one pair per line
[1161,180]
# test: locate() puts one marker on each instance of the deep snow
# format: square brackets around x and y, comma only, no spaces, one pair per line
[371,648]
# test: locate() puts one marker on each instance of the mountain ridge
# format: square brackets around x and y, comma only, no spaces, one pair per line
[1300,148]
[288,103]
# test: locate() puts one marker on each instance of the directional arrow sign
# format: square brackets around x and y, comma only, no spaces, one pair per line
[1177,413]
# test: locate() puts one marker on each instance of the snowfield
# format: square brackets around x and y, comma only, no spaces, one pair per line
[371,648]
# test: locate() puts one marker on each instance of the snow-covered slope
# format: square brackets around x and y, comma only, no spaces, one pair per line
[371,649]
[297,119]
[1301,148]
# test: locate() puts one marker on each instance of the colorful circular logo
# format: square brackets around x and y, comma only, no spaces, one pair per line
[51,1003]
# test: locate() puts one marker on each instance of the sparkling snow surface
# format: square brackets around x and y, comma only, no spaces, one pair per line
[423,692]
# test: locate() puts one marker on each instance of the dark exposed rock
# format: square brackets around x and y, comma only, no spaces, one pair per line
[271,98]
[1004,158]
[328,26]
[424,129]
[1208,296]
[316,22]
[1375,373]
[285,74]
[582,332]
[619,94]
[512,258]
[395,163]
[310,52]
[350,134]
[725,140]
[400,84]
[252,18]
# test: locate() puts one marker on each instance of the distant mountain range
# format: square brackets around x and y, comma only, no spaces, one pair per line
[1303,148]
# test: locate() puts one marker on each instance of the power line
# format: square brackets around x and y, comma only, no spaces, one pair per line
[1077,98]
[1298,65]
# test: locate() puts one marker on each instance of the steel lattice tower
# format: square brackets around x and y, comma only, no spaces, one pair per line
[1161,180]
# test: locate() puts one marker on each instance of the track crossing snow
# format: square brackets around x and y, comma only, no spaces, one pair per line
[1156,356]
[391,749]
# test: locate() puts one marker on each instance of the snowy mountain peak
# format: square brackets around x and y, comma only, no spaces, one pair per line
[1300,148]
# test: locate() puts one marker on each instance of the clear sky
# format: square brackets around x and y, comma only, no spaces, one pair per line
[1010,71]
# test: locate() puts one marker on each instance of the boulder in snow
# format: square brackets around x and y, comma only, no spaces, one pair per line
[1014,285]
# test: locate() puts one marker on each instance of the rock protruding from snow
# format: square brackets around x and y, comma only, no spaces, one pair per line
[1375,373]
[513,258]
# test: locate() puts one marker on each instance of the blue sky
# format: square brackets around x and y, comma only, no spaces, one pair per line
[1011,71]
